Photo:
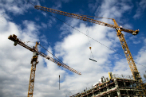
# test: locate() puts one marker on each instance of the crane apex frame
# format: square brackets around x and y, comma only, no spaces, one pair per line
[34,62]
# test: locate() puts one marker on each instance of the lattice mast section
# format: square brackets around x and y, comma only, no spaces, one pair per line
[34,62]
[128,54]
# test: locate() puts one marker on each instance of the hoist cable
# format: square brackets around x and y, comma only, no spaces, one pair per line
[89,36]
[91,55]
[51,53]
[85,34]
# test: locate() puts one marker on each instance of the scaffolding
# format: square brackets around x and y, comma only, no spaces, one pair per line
[118,86]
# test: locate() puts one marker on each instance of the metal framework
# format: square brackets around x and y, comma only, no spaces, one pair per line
[118,86]
[84,18]
[128,55]
[58,62]
[34,62]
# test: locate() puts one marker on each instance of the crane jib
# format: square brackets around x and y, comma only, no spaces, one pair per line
[15,39]
[85,18]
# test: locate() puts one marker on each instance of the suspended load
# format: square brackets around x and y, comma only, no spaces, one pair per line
[92,60]
[92,56]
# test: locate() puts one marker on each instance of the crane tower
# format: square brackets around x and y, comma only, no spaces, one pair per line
[34,62]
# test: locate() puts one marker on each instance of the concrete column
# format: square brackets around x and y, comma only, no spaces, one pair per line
[116,85]
[125,88]
[107,88]
[92,93]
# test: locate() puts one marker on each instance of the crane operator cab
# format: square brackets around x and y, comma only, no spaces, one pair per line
[35,56]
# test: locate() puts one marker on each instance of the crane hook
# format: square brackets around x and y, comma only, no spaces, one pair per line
[59,82]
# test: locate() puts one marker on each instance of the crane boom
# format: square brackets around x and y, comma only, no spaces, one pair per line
[127,52]
[18,41]
[84,18]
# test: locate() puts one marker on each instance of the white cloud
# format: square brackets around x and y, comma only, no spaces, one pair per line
[37,18]
[45,14]
[93,5]
[141,6]
[75,52]
[135,39]
[57,6]
[43,39]
[74,49]
[128,26]
[2,14]
[66,29]
[121,67]
[17,7]
[15,66]
[66,1]
[112,9]
[140,59]
[51,21]
[44,25]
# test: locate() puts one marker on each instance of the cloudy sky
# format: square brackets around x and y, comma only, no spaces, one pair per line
[69,45]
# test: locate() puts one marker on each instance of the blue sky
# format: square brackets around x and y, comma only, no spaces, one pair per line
[68,44]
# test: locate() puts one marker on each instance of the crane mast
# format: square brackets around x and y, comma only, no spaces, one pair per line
[34,62]
[127,52]
[129,57]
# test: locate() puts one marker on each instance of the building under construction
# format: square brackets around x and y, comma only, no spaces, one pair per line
[115,86]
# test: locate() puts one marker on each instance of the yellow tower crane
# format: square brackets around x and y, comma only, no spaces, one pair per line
[127,52]
[34,62]
[132,65]
[119,29]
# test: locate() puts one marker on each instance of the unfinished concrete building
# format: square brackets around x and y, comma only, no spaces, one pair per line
[116,86]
